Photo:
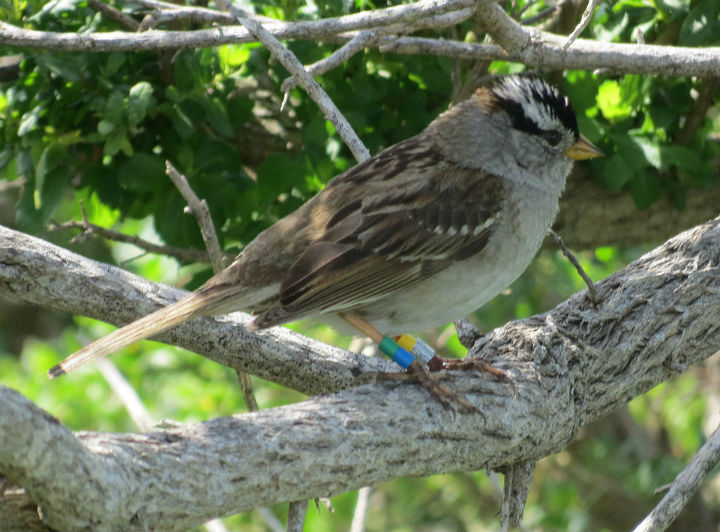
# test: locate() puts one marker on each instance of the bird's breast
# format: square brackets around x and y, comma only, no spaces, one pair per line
[468,284]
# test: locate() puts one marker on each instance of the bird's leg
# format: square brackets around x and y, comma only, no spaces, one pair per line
[468,334]
[465,364]
[444,395]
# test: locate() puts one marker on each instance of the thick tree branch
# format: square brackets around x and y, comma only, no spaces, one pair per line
[592,215]
[529,46]
[569,366]
[37,272]
[328,28]
[544,51]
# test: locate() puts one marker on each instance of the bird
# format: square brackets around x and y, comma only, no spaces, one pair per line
[417,236]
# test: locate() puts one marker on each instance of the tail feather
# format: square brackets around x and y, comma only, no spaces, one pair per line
[152,324]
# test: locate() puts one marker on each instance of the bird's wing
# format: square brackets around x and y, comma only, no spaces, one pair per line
[406,228]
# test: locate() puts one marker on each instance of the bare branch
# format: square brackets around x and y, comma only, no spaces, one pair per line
[358,43]
[684,486]
[127,395]
[504,30]
[571,257]
[570,366]
[90,229]
[532,47]
[296,516]
[113,14]
[201,212]
[368,38]
[313,88]
[323,29]
[35,271]
[361,509]
[515,491]
[544,51]
[584,21]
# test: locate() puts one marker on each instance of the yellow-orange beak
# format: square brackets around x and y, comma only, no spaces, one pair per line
[583,149]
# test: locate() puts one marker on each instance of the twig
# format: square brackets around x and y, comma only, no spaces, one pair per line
[467,332]
[201,212]
[339,56]
[90,229]
[684,486]
[15,183]
[361,509]
[127,395]
[517,486]
[316,92]
[571,257]
[207,16]
[545,14]
[584,21]
[296,516]
[247,391]
[696,117]
[272,521]
[113,14]
[367,38]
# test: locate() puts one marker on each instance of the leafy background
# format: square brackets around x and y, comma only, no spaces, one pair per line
[97,128]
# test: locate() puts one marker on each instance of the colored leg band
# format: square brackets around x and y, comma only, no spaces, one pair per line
[397,353]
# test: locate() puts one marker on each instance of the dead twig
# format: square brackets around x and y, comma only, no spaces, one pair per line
[594,297]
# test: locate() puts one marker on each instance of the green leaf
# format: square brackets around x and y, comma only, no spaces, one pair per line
[614,171]
[113,63]
[114,108]
[181,122]
[612,31]
[645,189]
[105,127]
[639,152]
[216,115]
[702,25]
[67,67]
[650,150]
[611,102]
[232,56]
[143,173]
[279,173]
[139,100]
[29,121]
[117,141]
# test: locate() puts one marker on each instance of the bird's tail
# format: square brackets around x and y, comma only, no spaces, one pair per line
[161,320]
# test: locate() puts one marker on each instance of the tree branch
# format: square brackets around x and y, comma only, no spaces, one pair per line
[592,215]
[684,486]
[34,271]
[525,45]
[544,52]
[569,366]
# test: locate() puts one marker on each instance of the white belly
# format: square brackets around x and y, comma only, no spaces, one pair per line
[467,285]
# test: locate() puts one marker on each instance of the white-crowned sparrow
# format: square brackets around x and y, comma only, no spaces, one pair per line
[415,237]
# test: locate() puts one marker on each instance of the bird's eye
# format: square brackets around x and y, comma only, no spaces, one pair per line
[552,137]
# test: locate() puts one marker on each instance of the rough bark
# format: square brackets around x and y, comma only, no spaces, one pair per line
[569,366]
[34,271]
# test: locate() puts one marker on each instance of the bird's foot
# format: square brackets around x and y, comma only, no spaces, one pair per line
[416,372]
[441,392]
[465,364]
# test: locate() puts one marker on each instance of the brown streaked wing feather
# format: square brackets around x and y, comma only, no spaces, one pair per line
[400,236]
